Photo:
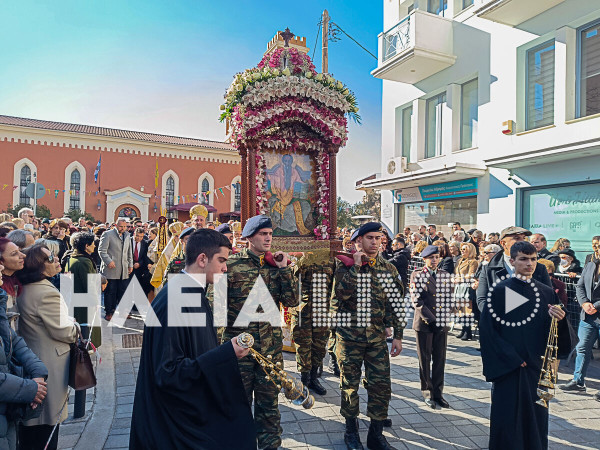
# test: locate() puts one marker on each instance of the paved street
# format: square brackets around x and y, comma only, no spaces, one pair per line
[574,422]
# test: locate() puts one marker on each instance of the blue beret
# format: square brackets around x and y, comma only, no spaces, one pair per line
[224,228]
[253,224]
[186,232]
[368,227]
[430,250]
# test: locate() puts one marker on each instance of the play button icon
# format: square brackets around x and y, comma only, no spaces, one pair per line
[513,300]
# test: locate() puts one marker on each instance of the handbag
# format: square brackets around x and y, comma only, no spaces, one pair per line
[81,370]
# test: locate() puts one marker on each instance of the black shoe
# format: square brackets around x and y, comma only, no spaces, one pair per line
[387,423]
[443,403]
[375,438]
[462,334]
[572,386]
[430,403]
[597,396]
[314,384]
[467,337]
[320,371]
[333,365]
[351,437]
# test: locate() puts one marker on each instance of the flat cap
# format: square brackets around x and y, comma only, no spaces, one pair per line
[224,228]
[514,230]
[256,223]
[430,250]
[368,227]
[187,232]
[568,252]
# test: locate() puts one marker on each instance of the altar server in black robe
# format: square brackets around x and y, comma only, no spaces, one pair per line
[189,392]
[512,346]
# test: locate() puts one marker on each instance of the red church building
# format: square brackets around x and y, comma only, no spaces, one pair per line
[141,174]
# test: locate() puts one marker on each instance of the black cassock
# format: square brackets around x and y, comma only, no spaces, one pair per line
[516,421]
[189,392]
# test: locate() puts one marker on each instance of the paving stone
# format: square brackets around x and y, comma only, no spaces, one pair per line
[117,441]
[68,440]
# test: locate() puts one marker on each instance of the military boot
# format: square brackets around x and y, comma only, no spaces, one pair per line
[305,378]
[351,437]
[375,438]
[320,371]
[333,365]
[314,385]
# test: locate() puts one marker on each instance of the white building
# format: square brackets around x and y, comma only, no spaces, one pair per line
[491,115]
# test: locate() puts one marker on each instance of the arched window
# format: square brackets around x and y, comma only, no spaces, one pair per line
[237,192]
[205,188]
[170,196]
[24,199]
[75,191]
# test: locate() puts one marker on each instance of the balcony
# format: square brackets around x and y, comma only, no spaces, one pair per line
[416,48]
[512,12]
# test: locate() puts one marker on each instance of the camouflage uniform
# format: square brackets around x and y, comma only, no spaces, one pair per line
[311,340]
[243,270]
[359,342]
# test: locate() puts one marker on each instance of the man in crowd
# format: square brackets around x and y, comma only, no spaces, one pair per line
[423,231]
[141,262]
[226,230]
[363,338]
[21,238]
[456,226]
[595,256]
[431,330]
[189,391]
[431,234]
[539,242]
[198,213]
[26,214]
[244,269]
[117,263]
[407,233]
[588,296]
[513,343]
[500,265]
[494,238]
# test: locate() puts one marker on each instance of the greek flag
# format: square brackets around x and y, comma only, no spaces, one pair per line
[97,171]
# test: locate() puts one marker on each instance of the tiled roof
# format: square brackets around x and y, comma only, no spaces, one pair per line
[113,132]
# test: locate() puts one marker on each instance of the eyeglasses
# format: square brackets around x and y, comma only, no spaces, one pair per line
[51,257]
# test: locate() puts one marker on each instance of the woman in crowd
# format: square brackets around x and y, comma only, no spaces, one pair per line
[152,235]
[45,325]
[559,287]
[348,245]
[81,264]
[57,233]
[446,262]
[386,246]
[560,244]
[465,272]
[569,264]
[13,260]
[454,251]
[419,247]
[20,396]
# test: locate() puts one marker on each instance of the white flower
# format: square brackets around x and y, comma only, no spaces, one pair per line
[276,72]
[319,77]
[256,76]
[286,72]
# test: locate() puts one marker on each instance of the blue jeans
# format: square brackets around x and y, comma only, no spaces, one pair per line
[588,333]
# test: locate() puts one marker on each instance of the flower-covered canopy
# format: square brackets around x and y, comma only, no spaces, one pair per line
[283,103]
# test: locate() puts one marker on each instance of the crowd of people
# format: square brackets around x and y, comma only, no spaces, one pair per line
[36,332]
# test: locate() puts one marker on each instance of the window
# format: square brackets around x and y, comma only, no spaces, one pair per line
[539,108]
[406,131]
[237,188]
[469,114]
[205,189]
[170,195]
[466,3]
[589,71]
[24,199]
[434,110]
[74,191]
[438,7]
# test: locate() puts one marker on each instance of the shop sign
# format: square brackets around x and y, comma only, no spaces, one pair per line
[441,191]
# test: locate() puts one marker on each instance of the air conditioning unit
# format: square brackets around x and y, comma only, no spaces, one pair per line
[397,165]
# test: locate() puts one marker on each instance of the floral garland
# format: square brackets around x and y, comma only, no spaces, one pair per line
[261,185]
[322,230]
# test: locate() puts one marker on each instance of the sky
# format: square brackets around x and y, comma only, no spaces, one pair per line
[163,66]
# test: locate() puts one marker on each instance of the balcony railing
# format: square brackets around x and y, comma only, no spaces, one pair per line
[397,39]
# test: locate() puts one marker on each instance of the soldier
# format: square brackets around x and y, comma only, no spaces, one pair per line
[310,332]
[243,270]
[431,331]
[366,294]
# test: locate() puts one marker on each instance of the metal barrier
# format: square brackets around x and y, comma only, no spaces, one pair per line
[573,306]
